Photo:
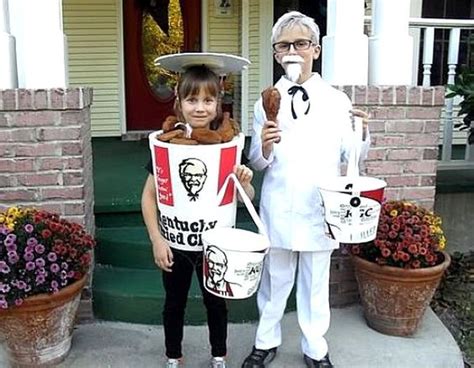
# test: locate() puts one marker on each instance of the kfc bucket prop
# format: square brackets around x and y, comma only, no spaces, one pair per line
[233,258]
[188,180]
[352,203]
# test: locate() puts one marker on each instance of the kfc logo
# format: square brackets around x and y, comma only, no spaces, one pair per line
[215,268]
[193,174]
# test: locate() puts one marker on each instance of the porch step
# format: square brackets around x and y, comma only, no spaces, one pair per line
[129,246]
[137,295]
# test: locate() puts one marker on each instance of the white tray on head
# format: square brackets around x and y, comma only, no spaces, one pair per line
[221,64]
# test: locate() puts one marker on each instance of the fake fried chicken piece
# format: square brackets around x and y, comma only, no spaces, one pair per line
[185,141]
[206,136]
[271,102]
[169,123]
[168,136]
[227,129]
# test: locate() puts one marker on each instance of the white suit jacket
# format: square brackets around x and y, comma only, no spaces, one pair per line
[312,148]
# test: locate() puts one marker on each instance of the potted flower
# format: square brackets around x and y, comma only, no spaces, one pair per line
[399,271]
[44,261]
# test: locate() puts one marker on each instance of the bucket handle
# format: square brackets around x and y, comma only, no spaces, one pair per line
[354,155]
[245,199]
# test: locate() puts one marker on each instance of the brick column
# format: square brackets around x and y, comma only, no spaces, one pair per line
[46,155]
[46,152]
[404,126]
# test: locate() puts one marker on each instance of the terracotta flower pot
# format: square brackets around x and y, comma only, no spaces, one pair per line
[394,299]
[38,333]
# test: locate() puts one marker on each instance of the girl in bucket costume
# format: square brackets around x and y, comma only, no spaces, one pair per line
[312,135]
[198,106]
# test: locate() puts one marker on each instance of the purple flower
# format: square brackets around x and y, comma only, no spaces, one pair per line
[3,304]
[54,285]
[18,302]
[11,247]
[4,288]
[21,285]
[8,241]
[39,248]
[4,230]
[29,228]
[10,237]
[41,271]
[63,275]
[30,266]
[13,257]
[40,262]
[31,242]
[52,257]
[54,267]
[64,266]
[40,279]
[4,268]
[29,256]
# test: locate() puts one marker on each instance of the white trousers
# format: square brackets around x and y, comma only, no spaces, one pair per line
[312,298]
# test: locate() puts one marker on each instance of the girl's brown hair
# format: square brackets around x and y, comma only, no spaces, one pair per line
[190,84]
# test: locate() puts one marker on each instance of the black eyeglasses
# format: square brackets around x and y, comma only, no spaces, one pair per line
[298,45]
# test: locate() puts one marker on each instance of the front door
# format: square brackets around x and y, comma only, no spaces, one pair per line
[153,28]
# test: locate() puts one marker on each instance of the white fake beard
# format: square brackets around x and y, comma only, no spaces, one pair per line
[293,67]
[293,71]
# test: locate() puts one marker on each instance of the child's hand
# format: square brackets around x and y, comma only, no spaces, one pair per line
[361,114]
[270,134]
[365,120]
[245,175]
[162,254]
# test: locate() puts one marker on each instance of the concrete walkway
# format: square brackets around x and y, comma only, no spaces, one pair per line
[352,345]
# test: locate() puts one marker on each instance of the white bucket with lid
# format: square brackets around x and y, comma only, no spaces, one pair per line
[352,203]
[233,258]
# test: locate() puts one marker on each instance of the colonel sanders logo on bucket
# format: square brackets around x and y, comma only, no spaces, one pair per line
[193,174]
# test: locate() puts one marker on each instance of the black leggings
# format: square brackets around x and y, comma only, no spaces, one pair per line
[177,284]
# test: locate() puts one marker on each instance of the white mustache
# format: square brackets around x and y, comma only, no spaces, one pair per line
[292,59]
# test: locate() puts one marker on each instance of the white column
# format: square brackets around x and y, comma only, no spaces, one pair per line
[41,44]
[8,76]
[345,47]
[390,46]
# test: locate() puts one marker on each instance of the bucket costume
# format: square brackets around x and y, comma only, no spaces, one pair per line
[176,245]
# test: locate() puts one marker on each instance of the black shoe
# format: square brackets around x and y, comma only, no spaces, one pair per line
[259,357]
[323,363]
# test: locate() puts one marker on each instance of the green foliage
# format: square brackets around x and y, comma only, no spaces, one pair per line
[464,87]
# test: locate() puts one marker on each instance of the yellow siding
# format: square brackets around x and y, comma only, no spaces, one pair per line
[224,36]
[93,34]
[254,55]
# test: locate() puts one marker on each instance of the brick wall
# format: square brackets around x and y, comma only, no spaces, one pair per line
[46,152]
[404,126]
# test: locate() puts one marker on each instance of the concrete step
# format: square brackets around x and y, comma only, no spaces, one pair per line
[351,345]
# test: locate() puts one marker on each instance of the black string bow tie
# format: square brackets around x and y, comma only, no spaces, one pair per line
[292,91]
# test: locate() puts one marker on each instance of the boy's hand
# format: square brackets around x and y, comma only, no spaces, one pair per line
[162,255]
[365,120]
[270,134]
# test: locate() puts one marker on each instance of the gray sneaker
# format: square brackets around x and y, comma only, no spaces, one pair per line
[218,362]
[174,363]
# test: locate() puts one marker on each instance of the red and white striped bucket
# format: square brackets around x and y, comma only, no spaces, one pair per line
[188,179]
